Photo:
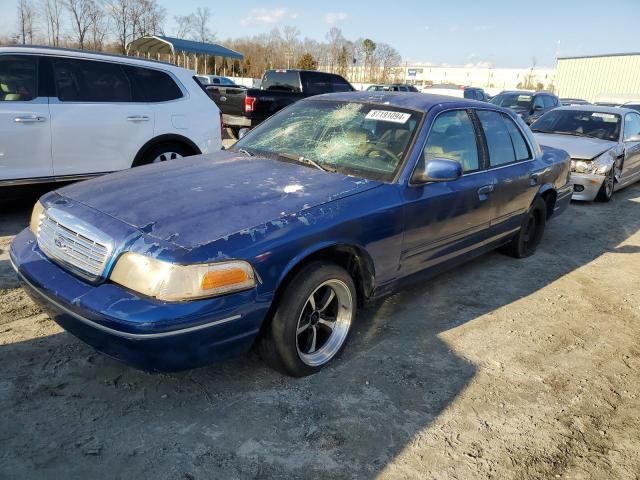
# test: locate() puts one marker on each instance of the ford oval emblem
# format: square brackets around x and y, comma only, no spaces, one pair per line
[60,243]
[223,98]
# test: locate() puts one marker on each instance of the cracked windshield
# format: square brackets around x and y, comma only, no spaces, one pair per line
[350,138]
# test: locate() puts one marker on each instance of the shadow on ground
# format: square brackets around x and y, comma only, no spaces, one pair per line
[72,413]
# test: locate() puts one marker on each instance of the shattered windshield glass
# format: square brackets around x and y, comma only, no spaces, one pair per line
[357,139]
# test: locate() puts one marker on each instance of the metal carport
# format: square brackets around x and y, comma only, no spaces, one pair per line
[157,45]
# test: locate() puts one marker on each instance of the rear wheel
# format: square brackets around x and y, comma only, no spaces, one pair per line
[163,152]
[312,322]
[528,238]
[606,190]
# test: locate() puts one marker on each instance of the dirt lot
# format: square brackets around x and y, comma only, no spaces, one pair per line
[500,369]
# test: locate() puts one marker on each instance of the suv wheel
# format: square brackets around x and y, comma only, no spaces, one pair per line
[312,322]
[162,153]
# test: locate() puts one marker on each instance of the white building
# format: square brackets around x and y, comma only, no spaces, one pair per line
[491,79]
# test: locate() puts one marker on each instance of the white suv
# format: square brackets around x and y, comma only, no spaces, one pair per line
[69,115]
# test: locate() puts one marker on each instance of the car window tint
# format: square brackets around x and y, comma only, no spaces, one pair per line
[154,85]
[498,138]
[518,142]
[452,136]
[538,102]
[281,80]
[18,78]
[90,81]
[548,101]
[631,125]
[339,84]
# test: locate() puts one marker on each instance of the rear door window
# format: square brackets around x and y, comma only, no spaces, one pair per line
[18,78]
[281,80]
[153,85]
[91,81]
[504,140]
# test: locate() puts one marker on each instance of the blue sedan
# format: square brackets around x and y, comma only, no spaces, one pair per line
[277,241]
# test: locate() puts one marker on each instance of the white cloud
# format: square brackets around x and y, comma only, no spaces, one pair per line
[263,16]
[333,18]
[484,28]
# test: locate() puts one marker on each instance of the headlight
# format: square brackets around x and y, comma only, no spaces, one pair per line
[37,214]
[170,282]
[598,166]
[581,166]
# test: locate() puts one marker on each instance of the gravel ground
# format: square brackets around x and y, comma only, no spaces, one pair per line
[501,368]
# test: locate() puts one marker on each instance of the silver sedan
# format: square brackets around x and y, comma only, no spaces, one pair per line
[603,143]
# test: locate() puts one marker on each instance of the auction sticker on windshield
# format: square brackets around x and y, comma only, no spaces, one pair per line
[606,117]
[388,116]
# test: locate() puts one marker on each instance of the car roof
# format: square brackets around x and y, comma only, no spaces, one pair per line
[77,53]
[410,100]
[525,92]
[597,108]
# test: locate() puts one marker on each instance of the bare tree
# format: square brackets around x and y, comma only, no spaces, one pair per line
[185,25]
[52,13]
[120,12]
[388,60]
[201,25]
[291,42]
[81,18]
[26,21]
[99,26]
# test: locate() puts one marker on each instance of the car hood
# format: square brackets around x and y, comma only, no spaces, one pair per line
[583,148]
[196,200]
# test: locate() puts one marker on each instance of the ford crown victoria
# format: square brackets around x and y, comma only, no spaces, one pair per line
[278,241]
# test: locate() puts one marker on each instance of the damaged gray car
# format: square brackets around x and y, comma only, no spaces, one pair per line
[603,143]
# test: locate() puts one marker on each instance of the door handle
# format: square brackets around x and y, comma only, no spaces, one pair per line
[138,118]
[483,192]
[30,119]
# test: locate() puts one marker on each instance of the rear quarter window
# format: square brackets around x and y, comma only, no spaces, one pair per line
[153,85]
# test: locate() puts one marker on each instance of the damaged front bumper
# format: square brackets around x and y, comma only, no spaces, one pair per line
[137,330]
[586,186]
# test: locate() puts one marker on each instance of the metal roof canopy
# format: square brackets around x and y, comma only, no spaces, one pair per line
[159,44]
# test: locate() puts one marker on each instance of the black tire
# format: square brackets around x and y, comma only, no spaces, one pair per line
[528,238]
[234,132]
[606,190]
[163,149]
[279,346]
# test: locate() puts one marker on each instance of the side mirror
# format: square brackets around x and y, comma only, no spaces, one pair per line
[439,170]
[537,108]
[243,132]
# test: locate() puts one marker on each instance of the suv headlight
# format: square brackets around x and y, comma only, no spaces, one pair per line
[37,214]
[171,282]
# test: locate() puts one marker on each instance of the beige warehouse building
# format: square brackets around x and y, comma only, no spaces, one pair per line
[610,78]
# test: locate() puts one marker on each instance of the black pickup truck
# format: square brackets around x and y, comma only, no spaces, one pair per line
[246,108]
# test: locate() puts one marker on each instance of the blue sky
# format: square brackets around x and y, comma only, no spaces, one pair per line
[458,32]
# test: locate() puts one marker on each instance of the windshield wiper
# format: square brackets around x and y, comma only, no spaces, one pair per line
[306,161]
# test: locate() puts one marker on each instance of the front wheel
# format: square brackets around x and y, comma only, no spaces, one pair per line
[312,322]
[528,238]
[606,190]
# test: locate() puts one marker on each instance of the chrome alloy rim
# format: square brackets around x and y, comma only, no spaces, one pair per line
[163,157]
[324,323]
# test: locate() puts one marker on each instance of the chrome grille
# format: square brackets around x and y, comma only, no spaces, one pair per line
[73,245]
